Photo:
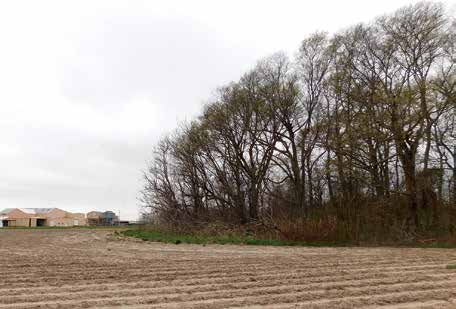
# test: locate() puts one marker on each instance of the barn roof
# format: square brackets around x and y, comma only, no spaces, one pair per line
[34,211]
[6,211]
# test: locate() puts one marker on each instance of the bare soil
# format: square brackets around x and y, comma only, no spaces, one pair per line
[94,269]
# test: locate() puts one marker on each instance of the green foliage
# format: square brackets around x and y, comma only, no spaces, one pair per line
[178,238]
[451,266]
[223,238]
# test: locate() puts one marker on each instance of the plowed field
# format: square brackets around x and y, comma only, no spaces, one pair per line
[90,268]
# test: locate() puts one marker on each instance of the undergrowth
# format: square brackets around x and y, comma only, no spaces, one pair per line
[177,238]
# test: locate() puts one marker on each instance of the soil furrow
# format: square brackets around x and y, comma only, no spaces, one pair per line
[90,269]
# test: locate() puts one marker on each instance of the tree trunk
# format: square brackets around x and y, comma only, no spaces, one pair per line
[408,162]
[454,176]
[328,178]
[253,205]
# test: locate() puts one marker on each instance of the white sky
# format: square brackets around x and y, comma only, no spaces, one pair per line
[87,87]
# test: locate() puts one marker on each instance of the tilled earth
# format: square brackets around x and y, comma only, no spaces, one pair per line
[93,269]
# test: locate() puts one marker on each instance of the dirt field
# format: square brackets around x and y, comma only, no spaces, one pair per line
[89,268]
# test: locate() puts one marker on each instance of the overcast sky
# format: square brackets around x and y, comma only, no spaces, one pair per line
[87,87]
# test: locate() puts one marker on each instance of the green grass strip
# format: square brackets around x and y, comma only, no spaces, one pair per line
[175,238]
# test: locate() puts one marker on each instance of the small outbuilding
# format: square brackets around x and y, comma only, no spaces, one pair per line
[97,218]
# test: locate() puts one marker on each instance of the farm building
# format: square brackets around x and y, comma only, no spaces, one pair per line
[32,217]
[97,218]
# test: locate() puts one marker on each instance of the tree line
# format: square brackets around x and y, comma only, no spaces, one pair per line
[357,129]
